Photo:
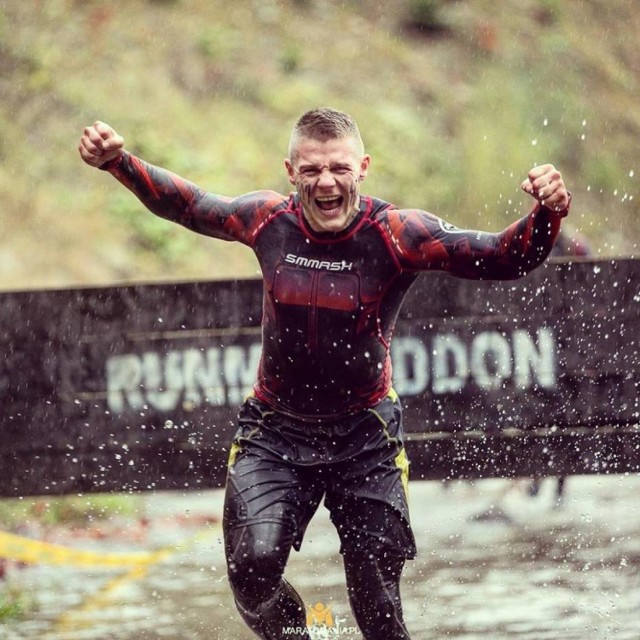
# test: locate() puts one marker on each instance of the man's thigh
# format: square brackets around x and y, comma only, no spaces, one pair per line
[264,489]
[368,495]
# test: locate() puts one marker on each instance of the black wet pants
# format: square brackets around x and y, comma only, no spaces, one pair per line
[279,471]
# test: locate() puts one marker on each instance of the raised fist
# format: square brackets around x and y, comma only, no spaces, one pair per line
[546,185]
[100,144]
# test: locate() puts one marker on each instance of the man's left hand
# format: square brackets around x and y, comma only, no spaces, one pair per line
[546,185]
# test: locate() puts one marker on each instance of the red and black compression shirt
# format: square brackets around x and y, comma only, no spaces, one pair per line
[331,299]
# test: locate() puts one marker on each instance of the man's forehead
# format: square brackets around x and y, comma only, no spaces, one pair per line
[309,150]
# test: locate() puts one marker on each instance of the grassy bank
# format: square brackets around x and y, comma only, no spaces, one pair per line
[456,100]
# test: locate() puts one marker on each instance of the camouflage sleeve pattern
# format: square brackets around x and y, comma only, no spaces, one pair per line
[171,197]
[423,241]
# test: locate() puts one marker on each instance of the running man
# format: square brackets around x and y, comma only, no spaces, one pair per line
[324,421]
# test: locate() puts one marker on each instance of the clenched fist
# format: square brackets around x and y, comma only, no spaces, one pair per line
[546,185]
[100,144]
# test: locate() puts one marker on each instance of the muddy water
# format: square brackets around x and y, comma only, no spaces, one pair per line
[494,563]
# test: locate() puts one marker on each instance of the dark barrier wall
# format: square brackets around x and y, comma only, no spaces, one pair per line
[137,387]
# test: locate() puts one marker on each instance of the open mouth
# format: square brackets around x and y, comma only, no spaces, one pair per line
[329,203]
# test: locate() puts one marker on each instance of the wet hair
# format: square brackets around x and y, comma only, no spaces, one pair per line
[324,124]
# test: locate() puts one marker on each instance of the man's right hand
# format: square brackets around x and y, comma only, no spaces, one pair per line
[100,144]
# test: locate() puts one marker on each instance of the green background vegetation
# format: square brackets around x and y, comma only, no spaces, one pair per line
[456,100]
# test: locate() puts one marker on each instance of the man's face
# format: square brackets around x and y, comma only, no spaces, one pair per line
[327,176]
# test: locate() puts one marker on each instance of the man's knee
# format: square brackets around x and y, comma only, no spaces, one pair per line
[256,559]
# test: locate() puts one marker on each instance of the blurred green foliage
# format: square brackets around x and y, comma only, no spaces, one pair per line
[454,117]
[14,603]
[69,510]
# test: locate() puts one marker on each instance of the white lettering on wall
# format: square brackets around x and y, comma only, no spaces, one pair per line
[215,376]
[410,366]
[534,365]
[163,379]
[450,363]
[489,360]
[240,371]
[225,375]
[203,377]
[124,383]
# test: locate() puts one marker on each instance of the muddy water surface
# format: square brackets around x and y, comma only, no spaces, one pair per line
[494,564]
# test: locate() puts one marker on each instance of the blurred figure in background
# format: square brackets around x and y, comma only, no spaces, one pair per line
[569,244]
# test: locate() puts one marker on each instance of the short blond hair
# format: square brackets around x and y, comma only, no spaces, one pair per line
[324,124]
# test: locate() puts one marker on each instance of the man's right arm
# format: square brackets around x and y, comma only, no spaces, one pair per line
[171,197]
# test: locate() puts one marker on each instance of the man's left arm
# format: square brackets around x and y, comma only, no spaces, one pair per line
[528,242]
[424,241]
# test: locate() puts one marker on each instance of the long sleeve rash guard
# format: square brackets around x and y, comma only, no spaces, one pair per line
[331,299]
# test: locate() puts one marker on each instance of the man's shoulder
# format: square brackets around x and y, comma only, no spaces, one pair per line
[381,209]
[252,212]
[262,205]
[376,207]
[265,198]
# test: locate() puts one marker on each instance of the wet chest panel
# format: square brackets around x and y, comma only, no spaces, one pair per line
[340,276]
